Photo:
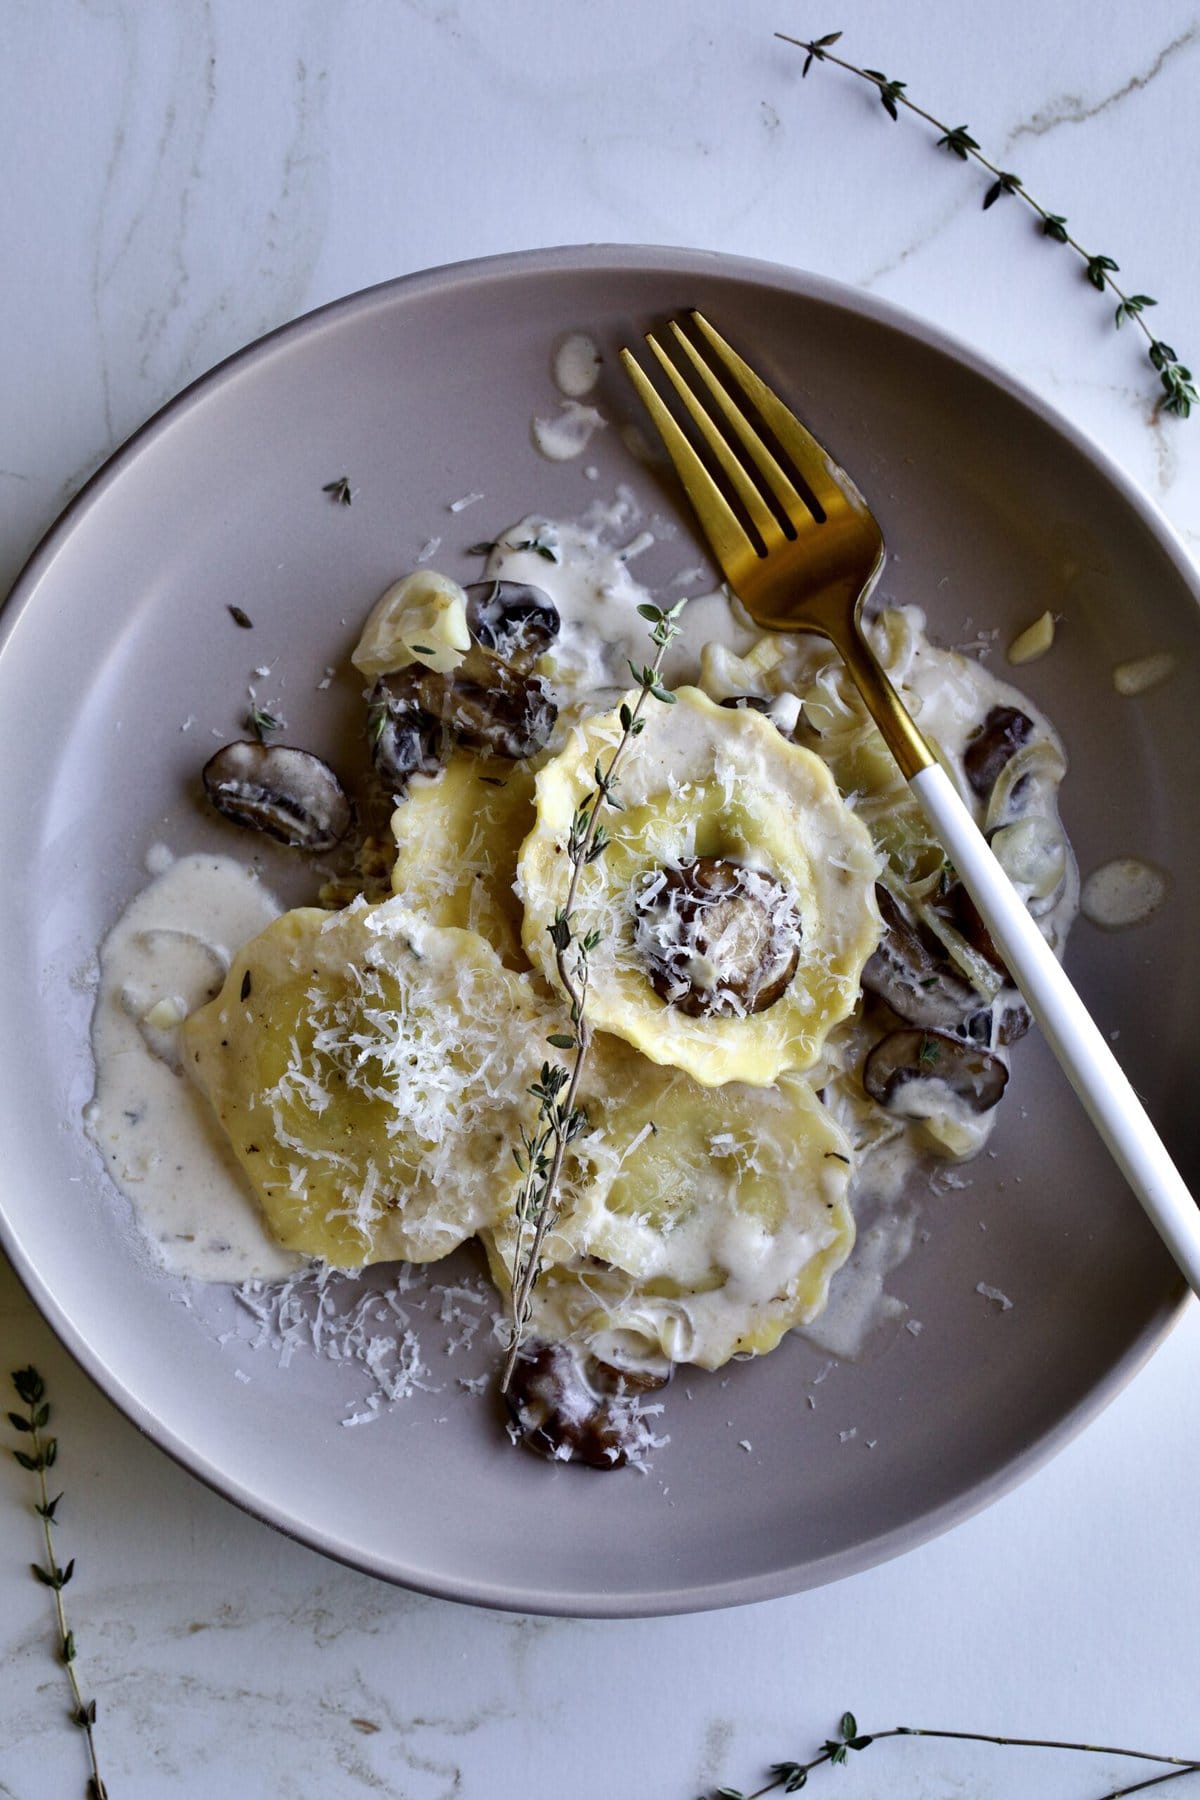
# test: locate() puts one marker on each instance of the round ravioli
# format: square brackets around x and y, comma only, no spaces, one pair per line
[458,835]
[370,1071]
[732,848]
[698,1223]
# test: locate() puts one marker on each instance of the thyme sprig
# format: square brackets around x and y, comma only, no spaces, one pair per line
[41,1455]
[1178,386]
[790,1777]
[560,1118]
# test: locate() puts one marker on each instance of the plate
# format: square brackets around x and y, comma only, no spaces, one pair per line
[778,1475]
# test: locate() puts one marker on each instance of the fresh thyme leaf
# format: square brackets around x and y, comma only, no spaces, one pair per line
[339,490]
[889,91]
[245,994]
[1179,393]
[958,141]
[1098,268]
[262,724]
[537,547]
[1004,183]
[1130,308]
[241,618]
[482,549]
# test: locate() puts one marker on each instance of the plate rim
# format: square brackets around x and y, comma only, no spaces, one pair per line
[599,258]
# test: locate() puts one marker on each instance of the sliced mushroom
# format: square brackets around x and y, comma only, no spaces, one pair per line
[573,1408]
[484,705]
[514,620]
[912,972]
[287,793]
[746,703]
[970,921]
[1013,1017]
[996,742]
[404,740]
[716,938]
[922,1073]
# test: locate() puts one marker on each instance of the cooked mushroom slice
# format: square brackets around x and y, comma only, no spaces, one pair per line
[573,1408]
[716,938]
[404,740]
[287,793]
[921,1073]
[995,743]
[1013,1017]
[970,921]
[484,705]
[511,618]
[744,702]
[912,972]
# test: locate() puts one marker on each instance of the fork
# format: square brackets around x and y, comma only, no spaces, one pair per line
[817,556]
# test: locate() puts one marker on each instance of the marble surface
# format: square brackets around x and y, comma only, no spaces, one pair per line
[180,179]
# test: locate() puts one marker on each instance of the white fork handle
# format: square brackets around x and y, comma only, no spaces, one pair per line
[1068,1027]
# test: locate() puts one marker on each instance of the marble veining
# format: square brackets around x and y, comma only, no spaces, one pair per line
[1072,109]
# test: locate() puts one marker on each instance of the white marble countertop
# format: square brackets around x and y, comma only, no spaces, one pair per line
[180,179]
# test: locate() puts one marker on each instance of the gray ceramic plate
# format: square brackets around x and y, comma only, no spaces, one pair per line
[423,391]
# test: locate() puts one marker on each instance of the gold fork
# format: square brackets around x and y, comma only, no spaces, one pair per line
[810,554]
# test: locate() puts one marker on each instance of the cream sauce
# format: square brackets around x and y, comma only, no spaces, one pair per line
[160,1142]
[576,365]
[567,433]
[1122,893]
[597,596]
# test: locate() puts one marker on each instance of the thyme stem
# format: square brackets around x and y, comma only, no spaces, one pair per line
[792,1776]
[32,1392]
[559,1120]
[1179,391]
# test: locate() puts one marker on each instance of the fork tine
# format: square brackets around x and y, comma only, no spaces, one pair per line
[780,483]
[761,516]
[726,534]
[830,485]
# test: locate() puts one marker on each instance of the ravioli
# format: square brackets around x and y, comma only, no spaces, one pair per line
[697,1223]
[371,1071]
[703,781]
[458,835]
